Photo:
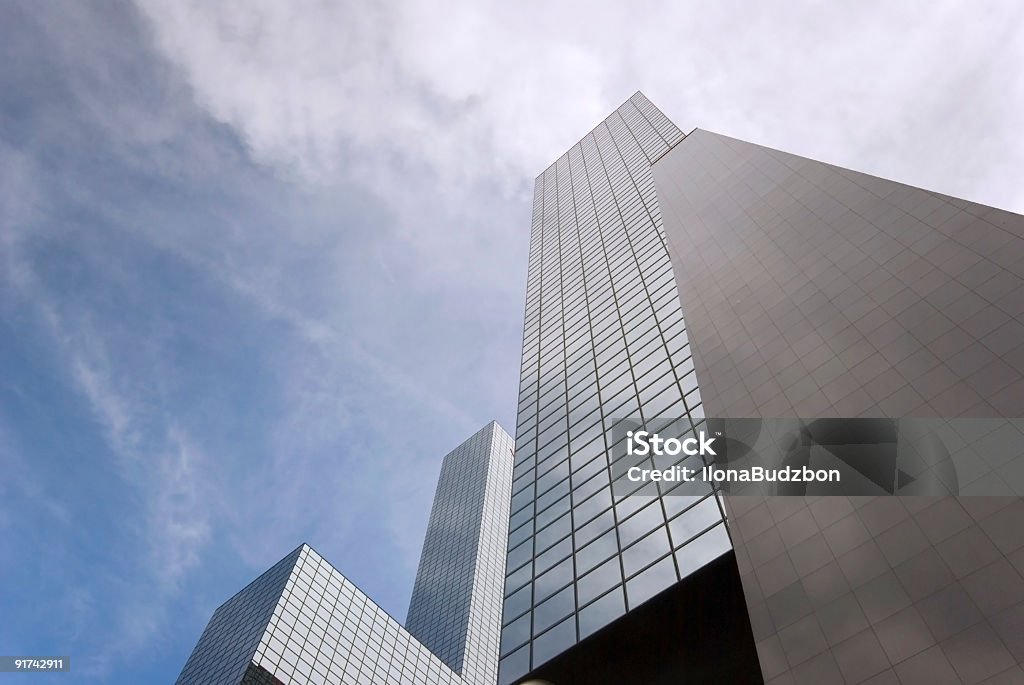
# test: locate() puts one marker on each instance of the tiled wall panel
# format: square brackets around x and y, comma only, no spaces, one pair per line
[815,291]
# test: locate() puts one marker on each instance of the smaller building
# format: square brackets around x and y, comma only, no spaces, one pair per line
[303,622]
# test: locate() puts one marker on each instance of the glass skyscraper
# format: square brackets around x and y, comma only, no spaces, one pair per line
[303,622]
[455,610]
[604,339]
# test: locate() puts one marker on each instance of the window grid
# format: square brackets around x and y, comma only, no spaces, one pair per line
[604,339]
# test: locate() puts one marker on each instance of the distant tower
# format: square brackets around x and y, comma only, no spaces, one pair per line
[455,609]
[303,622]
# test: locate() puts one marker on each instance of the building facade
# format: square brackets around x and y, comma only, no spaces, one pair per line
[604,339]
[303,622]
[809,291]
[816,291]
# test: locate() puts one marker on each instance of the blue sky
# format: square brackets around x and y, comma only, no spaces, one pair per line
[262,264]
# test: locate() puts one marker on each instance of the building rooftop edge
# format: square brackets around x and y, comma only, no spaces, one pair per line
[594,128]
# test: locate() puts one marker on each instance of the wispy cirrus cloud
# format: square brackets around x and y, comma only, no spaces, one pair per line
[154,459]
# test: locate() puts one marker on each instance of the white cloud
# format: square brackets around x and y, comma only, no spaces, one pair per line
[179,512]
[495,90]
[156,456]
[111,409]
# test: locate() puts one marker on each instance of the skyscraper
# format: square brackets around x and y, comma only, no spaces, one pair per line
[303,622]
[604,339]
[809,291]
[455,610]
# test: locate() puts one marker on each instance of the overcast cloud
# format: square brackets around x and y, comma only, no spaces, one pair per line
[255,254]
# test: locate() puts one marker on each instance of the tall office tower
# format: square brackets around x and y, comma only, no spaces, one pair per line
[604,339]
[810,291]
[815,291]
[455,610]
[303,622]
